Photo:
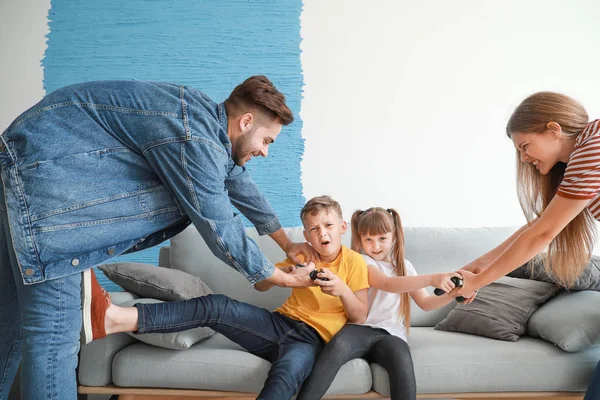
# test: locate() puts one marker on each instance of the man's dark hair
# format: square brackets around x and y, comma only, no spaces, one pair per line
[258,92]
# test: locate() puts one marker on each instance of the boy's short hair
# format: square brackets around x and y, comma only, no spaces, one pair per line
[318,204]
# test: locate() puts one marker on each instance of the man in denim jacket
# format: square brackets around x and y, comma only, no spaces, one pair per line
[98,169]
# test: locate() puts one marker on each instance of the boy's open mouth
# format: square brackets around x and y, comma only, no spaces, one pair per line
[325,243]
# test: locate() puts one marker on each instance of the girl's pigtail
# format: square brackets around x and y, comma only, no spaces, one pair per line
[397,257]
[356,243]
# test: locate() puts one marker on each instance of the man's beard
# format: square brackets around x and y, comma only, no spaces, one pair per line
[242,147]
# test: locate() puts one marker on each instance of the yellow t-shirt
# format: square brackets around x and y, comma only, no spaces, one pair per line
[324,312]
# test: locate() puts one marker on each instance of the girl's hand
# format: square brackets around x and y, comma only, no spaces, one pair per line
[334,286]
[442,281]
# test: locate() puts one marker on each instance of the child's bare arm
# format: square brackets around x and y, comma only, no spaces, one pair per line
[355,303]
[428,302]
[403,284]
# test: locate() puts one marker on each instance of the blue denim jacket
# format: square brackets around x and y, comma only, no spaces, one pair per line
[102,168]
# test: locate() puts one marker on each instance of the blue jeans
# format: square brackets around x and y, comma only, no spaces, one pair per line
[39,324]
[593,391]
[291,346]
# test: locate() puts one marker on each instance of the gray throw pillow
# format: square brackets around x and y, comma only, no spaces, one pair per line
[500,310]
[155,282]
[570,320]
[588,280]
[174,340]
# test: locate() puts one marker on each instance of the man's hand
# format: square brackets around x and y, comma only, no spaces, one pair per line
[334,286]
[291,276]
[300,276]
[295,248]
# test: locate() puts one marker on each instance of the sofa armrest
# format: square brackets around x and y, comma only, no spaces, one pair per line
[163,257]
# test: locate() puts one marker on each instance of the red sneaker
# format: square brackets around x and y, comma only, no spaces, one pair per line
[95,301]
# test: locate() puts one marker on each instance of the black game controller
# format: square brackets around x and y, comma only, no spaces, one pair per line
[458,282]
[313,275]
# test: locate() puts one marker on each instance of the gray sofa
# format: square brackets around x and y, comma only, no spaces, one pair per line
[447,364]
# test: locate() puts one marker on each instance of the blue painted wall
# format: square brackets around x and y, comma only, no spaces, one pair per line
[210,45]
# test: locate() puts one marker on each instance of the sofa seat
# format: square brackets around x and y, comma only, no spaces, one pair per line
[214,364]
[457,362]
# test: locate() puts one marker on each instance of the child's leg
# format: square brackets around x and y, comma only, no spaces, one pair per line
[593,391]
[393,354]
[256,329]
[297,354]
[352,341]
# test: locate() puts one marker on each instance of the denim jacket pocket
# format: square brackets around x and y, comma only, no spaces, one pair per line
[156,201]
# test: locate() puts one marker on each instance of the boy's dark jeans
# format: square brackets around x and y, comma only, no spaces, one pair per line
[291,346]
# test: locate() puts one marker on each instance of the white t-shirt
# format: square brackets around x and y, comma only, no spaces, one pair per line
[384,307]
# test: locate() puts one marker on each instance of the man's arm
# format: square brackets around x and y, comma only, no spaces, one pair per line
[247,197]
[287,276]
[194,172]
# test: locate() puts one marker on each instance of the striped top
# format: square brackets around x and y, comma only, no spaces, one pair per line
[582,176]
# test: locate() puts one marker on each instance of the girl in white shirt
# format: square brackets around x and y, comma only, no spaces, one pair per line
[377,233]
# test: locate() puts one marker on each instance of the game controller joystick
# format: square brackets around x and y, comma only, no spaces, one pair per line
[458,282]
[313,275]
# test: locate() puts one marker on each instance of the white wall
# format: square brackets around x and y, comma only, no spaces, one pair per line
[23,29]
[405,102]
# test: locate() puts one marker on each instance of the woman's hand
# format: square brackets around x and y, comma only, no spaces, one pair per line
[469,287]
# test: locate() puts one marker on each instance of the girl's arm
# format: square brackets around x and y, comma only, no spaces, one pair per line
[528,244]
[402,284]
[428,302]
[485,260]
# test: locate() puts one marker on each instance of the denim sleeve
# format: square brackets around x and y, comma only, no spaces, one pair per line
[246,197]
[195,171]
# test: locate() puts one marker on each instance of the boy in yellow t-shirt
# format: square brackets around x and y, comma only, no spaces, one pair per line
[290,337]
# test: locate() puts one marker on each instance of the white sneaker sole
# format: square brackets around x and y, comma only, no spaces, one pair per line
[86,306]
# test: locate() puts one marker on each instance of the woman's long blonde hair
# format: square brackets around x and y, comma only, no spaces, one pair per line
[378,221]
[570,251]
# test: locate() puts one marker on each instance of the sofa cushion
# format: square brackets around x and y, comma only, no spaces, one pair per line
[214,364]
[155,282]
[501,310]
[174,340]
[588,280]
[188,248]
[434,249]
[571,321]
[451,362]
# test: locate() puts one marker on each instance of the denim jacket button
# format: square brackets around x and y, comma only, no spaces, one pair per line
[111,252]
[75,262]
[28,272]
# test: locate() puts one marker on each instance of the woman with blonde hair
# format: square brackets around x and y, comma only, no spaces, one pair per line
[558,178]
